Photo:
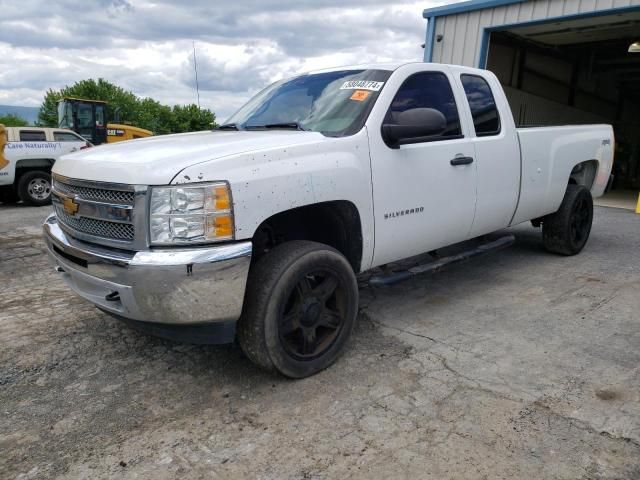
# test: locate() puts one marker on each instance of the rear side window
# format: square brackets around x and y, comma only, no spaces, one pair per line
[66,137]
[32,136]
[484,111]
[427,90]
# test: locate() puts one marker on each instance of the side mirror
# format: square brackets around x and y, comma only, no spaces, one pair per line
[413,123]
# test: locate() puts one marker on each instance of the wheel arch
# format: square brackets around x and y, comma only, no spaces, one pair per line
[336,223]
[30,164]
[584,173]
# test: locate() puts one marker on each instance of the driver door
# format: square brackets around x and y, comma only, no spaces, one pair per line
[424,196]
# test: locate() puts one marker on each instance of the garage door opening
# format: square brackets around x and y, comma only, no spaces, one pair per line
[573,72]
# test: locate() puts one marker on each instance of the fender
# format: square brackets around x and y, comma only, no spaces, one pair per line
[276,180]
[35,163]
[557,156]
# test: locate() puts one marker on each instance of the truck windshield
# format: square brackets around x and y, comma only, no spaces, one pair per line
[334,103]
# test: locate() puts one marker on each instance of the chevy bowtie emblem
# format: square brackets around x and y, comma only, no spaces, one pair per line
[70,206]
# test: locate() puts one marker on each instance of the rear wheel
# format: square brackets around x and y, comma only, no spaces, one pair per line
[34,188]
[300,308]
[566,232]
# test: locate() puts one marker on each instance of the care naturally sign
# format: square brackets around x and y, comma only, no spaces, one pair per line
[34,146]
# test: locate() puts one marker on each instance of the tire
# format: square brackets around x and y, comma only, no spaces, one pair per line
[566,232]
[34,188]
[299,310]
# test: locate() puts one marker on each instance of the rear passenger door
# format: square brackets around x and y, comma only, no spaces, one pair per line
[497,151]
[425,192]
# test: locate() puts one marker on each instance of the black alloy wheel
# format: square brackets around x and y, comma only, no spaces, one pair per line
[300,308]
[580,223]
[566,231]
[314,315]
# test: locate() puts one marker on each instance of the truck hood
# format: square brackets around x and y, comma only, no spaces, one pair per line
[157,160]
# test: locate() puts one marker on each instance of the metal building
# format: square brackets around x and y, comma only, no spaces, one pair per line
[560,61]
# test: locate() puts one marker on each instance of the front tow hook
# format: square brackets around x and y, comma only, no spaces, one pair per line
[112,297]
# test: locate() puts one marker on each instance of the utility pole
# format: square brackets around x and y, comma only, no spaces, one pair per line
[195,67]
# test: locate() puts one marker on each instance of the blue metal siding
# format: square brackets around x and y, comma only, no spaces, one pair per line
[466,26]
[466,7]
[430,39]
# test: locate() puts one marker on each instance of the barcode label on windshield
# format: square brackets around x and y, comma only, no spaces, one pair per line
[362,85]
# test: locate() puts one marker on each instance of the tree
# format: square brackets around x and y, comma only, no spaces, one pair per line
[190,118]
[126,103]
[155,116]
[128,108]
[48,115]
[11,120]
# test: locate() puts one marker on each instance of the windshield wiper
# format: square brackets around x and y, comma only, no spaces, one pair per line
[228,126]
[287,125]
[292,125]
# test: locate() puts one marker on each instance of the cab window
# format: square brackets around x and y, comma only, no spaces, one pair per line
[67,137]
[85,115]
[486,119]
[100,115]
[32,136]
[427,90]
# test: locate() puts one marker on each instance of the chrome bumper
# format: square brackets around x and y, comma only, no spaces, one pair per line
[172,286]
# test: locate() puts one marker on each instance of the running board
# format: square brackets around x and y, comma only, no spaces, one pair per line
[430,267]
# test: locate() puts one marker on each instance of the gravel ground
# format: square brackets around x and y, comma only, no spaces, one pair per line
[520,364]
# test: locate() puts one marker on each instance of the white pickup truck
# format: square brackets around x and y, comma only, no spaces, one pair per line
[258,228]
[26,157]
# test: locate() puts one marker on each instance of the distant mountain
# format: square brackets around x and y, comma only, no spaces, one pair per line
[30,114]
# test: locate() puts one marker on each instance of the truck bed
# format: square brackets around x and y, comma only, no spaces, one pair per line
[547,155]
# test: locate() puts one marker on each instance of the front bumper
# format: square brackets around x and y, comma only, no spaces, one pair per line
[175,286]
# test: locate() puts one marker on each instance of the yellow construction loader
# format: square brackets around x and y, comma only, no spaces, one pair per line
[88,118]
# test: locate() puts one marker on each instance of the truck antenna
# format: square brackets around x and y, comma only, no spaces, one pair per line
[195,67]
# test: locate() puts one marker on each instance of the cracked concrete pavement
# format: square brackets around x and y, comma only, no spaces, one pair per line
[520,364]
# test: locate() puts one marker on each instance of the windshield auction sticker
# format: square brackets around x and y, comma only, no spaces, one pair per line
[360,95]
[362,85]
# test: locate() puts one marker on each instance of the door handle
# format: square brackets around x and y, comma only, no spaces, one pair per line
[461,161]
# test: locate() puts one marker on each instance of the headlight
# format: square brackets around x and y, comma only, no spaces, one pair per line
[191,214]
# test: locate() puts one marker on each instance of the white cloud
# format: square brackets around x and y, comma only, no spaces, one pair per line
[241,46]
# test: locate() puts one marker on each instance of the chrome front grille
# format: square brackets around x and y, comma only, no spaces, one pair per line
[101,212]
[97,194]
[96,228]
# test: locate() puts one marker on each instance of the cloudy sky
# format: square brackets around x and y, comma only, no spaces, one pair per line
[242,45]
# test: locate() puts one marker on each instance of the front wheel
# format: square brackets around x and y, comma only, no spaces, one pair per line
[566,232]
[300,308]
[34,188]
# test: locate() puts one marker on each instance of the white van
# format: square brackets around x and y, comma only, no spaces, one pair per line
[27,158]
